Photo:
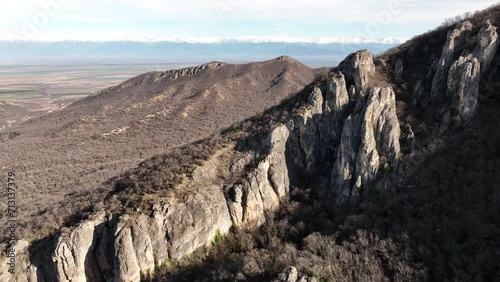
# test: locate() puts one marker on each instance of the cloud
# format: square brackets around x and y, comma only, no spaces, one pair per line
[318,10]
[312,11]
[233,17]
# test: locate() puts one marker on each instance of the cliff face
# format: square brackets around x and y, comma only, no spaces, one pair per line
[455,82]
[262,187]
[119,127]
[122,247]
[370,140]
[346,126]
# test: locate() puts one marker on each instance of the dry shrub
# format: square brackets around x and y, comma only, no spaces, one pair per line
[443,226]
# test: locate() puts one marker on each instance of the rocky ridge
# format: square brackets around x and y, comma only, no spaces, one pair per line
[156,76]
[80,147]
[115,247]
[455,83]
[345,123]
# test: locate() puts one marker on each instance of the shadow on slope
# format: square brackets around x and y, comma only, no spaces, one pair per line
[444,226]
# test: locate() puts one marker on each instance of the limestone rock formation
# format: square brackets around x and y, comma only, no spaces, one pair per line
[344,167]
[358,68]
[370,139]
[455,37]
[123,248]
[344,127]
[288,275]
[463,86]
[264,186]
[291,274]
[117,248]
[72,249]
[335,106]
[308,127]
[337,96]
[487,46]
[193,70]
[455,85]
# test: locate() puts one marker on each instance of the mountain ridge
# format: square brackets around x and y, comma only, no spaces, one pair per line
[312,54]
[144,116]
[325,178]
[243,39]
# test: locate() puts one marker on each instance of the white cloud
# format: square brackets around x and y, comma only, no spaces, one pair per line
[319,10]
[127,17]
[312,11]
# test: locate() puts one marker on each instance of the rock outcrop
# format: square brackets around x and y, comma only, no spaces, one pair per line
[16,267]
[455,84]
[126,247]
[358,68]
[122,248]
[487,46]
[292,275]
[308,128]
[263,187]
[344,127]
[456,37]
[288,275]
[369,140]
[463,87]
[192,70]
[453,88]
[72,249]
[336,102]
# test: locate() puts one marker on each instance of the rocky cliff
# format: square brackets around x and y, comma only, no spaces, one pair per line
[347,125]
[122,247]
[456,81]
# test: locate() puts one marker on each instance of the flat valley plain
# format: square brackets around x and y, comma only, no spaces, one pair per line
[28,91]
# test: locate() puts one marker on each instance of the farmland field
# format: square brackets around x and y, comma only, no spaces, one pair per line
[28,91]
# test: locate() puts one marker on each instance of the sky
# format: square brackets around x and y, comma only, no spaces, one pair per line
[320,21]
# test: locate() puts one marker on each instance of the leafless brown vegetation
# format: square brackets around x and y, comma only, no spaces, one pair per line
[443,226]
[154,178]
[419,53]
[63,158]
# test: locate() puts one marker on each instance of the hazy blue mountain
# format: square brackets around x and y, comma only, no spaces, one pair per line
[312,54]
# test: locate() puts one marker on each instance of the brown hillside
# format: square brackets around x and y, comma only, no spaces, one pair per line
[77,148]
[442,224]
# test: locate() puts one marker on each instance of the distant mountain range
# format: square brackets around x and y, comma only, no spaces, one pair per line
[148,114]
[315,53]
[383,168]
[250,39]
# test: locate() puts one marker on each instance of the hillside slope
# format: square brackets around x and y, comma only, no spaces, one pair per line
[383,171]
[73,150]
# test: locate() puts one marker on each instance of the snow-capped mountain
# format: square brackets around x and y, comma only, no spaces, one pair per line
[314,52]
